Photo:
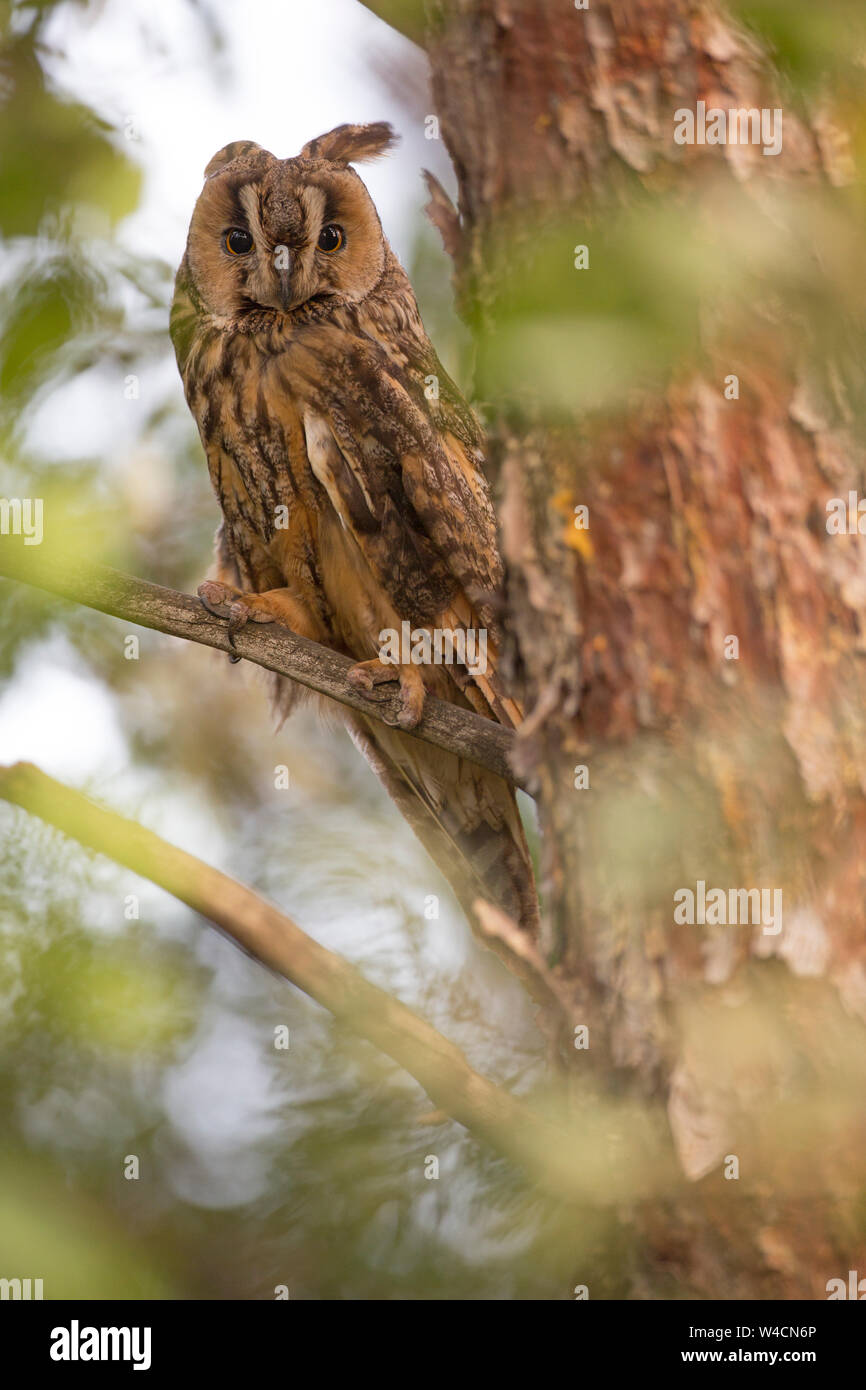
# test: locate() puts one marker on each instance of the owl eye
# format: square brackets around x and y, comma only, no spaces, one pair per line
[238,242]
[331,237]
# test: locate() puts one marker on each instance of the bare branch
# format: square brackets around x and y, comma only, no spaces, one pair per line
[543,1148]
[459,731]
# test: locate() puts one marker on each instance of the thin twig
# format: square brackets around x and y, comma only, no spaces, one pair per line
[540,1146]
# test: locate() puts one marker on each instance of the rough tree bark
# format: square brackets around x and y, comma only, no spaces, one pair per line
[739,764]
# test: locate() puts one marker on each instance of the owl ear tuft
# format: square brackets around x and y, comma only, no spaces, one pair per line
[352,144]
[229,153]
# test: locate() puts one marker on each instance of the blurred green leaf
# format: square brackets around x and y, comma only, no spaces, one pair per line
[69,157]
[814,44]
[68,1240]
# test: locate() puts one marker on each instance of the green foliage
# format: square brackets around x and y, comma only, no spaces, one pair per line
[814,44]
[150,1036]
[593,312]
[69,157]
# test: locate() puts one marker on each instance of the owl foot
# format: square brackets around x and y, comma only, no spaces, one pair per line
[366,675]
[224,601]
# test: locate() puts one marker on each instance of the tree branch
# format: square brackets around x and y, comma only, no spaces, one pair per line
[543,1148]
[446,726]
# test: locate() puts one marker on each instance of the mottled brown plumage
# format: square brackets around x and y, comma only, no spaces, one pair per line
[352,489]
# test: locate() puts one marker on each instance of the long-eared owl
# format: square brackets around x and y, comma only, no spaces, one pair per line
[353,496]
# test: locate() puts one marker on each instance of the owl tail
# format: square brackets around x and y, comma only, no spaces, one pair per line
[466,818]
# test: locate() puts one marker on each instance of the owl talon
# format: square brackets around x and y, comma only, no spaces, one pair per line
[217,598]
[239,616]
[411,704]
[365,676]
[240,608]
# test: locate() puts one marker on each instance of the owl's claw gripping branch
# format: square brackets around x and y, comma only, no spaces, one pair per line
[302,659]
[224,601]
[367,675]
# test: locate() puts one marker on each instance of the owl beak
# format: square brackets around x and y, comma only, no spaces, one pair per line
[285,279]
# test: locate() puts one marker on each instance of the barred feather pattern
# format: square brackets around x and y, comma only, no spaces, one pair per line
[348,468]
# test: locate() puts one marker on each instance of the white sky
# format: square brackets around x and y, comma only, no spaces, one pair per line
[290,71]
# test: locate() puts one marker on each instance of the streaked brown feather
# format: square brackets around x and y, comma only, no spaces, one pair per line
[311,396]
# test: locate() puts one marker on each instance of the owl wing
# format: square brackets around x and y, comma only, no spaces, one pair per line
[405,476]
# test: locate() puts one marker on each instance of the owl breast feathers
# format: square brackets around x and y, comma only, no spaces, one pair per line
[349,471]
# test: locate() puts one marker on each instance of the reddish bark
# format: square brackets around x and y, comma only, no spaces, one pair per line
[707,521]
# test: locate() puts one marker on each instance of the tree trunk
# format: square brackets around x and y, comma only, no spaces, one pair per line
[694,640]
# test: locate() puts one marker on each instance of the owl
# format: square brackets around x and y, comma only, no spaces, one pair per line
[350,476]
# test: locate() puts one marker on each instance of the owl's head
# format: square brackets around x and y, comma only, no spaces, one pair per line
[275,233]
